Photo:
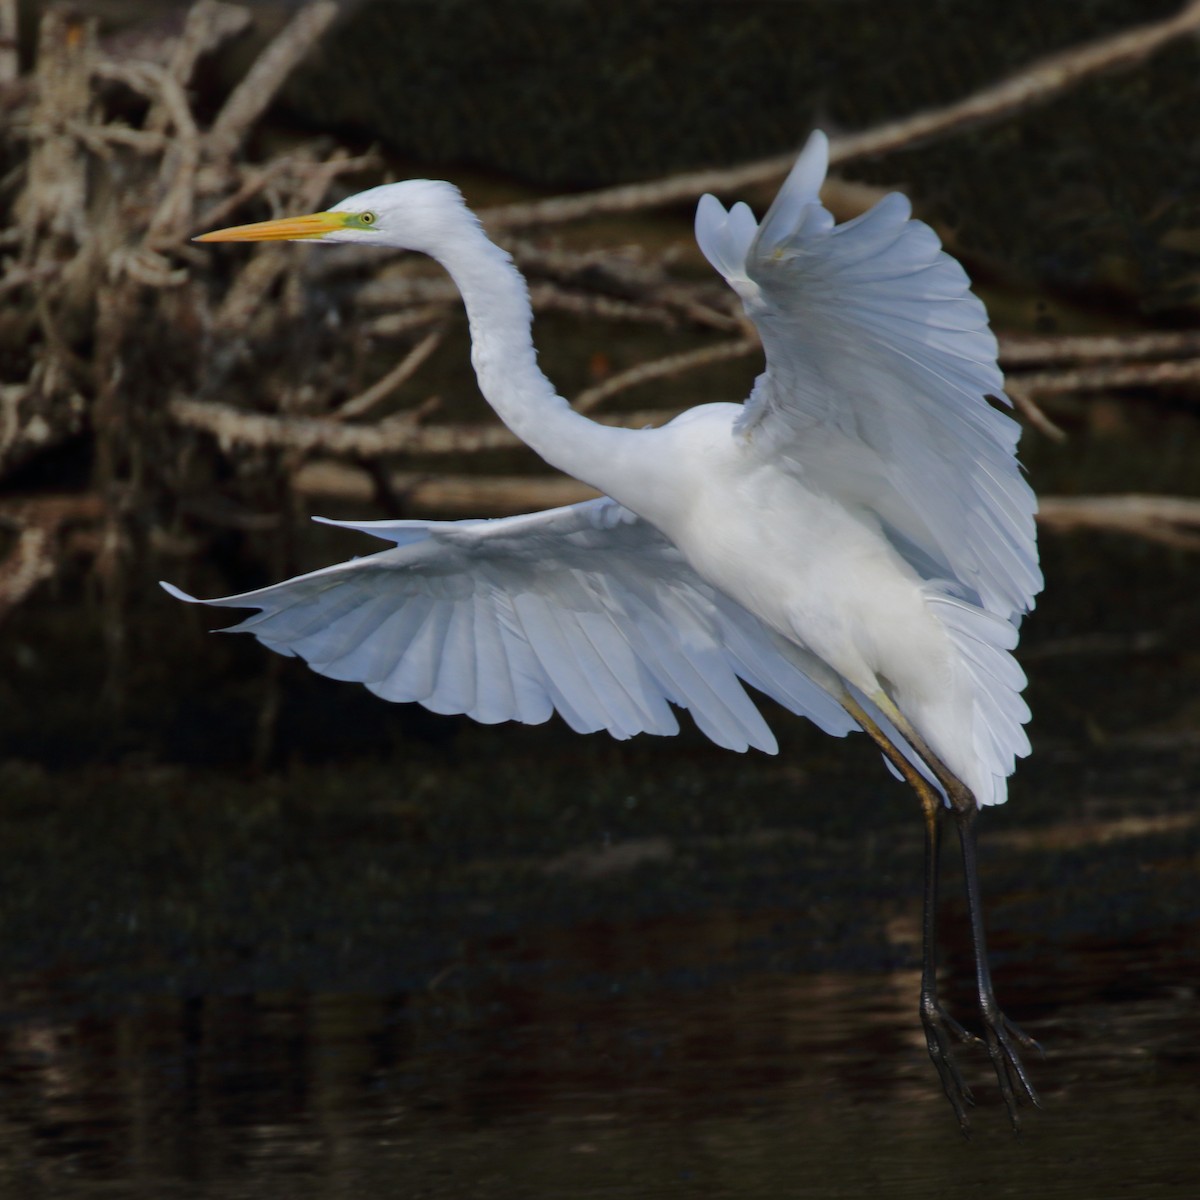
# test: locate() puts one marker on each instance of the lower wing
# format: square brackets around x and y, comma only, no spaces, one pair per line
[586,610]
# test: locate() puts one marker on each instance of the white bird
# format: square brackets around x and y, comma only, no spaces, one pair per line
[856,540]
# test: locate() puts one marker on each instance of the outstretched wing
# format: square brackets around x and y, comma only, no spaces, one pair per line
[585,609]
[879,359]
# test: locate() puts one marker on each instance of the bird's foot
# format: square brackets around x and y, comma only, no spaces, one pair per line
[941,1031]
[1002,1037]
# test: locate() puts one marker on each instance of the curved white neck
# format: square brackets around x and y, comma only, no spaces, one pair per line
[505,360]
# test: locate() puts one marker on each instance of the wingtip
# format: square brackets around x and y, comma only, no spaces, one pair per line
[710,219]
[812,165]
[818,143]
[178,593]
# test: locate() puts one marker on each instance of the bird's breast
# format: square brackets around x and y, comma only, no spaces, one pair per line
[810,568]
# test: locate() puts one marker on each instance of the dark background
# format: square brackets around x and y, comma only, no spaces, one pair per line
[261,929]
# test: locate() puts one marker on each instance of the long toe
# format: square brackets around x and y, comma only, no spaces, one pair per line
[941,1031]
[1002,1037]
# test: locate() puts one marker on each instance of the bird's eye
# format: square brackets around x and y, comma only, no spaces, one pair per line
[366,218]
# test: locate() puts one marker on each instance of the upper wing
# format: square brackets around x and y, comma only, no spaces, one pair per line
[585,609]
[879,360]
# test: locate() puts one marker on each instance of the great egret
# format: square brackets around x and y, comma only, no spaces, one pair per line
[856,540]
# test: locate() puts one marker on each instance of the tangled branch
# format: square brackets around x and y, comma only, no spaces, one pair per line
[201,383]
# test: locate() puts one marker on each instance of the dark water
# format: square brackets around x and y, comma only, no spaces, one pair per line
[577,1071]
[514,962]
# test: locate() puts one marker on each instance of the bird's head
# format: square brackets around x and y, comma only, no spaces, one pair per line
[413,215]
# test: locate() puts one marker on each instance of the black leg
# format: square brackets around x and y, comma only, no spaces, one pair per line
[941,1030]
[1001,1034]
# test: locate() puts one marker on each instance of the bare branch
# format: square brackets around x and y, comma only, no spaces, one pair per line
[662,368]
[395,291]
[1166,519]
[177,172]
[209,23]
[396,378]
[1027,407]
[258,276]
[31,560]
[245,295]
[301,163]
[403,323]
[442,495]
[1020,350]
[549,297]
[1036,84]
[19,277]
[36,553]
[9,66]
[393,435]
[251,97]
[1110,377]
[54,200]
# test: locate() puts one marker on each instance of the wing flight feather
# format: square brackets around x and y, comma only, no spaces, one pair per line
[584,609]
[879,362]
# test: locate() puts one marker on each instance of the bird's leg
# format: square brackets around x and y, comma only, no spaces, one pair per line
[941,1029]
[939,1026]
[1001,1034]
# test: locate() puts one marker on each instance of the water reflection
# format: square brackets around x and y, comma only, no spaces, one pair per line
[527,1081]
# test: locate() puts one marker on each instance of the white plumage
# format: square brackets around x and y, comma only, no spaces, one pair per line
[586,609]
[860,521]
[856,540]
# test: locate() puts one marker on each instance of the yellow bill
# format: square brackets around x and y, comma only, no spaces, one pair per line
[283,229]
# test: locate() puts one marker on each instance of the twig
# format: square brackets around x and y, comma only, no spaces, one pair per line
[177,172]
[340,162]
[19,277]
[35,555]
[9,66]
[1023,351]
[699,312]
[401,323]
[442,495]
[259,274]
[397,291]
[209,23]
[216,215]
[54,199]
[661,368]
[251,97]
[1028,408]
[235,427]
[1155,517]
[100,139]
[1109,377]
[1036,84]
[396,378]
[613,270]
[403,433]
[549,297]
[32,559]
[245,295]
